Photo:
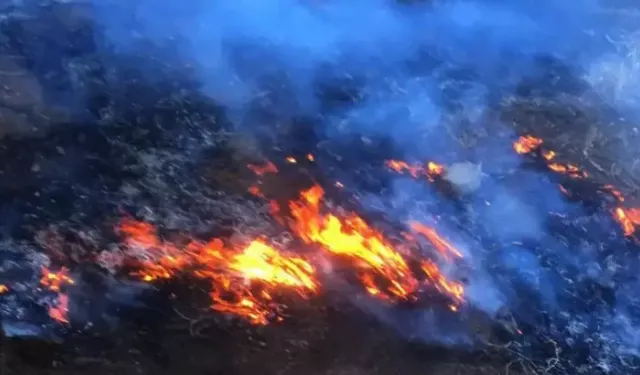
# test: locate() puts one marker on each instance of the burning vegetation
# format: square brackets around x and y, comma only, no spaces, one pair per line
[627,217]
[152,220]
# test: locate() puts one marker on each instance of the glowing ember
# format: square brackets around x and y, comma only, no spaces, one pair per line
[242,280]
[568,169]
[614,192]
[429,170]
[3,288]
[58,312]
[525,144]
[310,157]
[53,281]
[440,244]
[548,155]
[255,190]
[453,289]
[291,160]
[628,218]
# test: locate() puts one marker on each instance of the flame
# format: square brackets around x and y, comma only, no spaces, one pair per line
[527,143]
[614,192]
[453,289]
[429,170]
[628,218]
[568,169]
[53,281]
[58,312]
[440,244]
[255,190]
[261,170]
[243,280]
[349,236]
[548,155]
[291,160]
[3,288]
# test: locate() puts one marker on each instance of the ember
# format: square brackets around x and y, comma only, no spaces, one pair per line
[261,170]
[526,144]
[58,311]
[429,170]
[54,281]
[628,218]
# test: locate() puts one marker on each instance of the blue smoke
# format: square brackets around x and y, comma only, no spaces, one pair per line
[415,70]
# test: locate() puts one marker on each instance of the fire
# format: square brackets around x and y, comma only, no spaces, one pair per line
[568,169]
[453,289]
[262,170]
[243,280]
[291,160]
[527,143]
[628,218]
[58,312]
[429,170]
[349,236]
[3,288]
[255,190]
[440,244]
[614,192]
[53,281]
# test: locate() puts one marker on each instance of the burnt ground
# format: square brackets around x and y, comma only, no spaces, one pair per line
[78,170]
[321,341]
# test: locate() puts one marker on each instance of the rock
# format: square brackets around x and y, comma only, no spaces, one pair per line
[465,176]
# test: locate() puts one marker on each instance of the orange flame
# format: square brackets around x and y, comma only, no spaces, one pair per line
[429,170]
[243,281]
[439,243]
[453,289]
[351,237]
[58,312]
[568,169]
[261,170]
[55,280]
[3,288]
[527,143]
[614,192]
[628,218]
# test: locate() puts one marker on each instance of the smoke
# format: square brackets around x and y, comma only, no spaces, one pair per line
[413,71]
[433,76]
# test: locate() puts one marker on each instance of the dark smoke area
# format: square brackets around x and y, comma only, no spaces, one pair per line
[153,109]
